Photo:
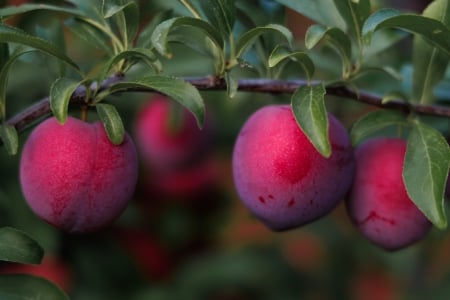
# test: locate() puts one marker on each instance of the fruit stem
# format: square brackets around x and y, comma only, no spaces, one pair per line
[84,113]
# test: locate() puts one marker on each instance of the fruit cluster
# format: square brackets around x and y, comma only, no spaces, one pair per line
[286,183]
[75,179]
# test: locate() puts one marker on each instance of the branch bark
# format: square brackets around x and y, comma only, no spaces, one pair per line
[42,108]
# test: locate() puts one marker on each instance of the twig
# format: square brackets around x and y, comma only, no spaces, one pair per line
[42,108]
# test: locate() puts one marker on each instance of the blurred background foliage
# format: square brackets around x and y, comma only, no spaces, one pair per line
[204,244]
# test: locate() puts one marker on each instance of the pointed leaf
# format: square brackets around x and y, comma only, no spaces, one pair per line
[248,38]
[425,171]
[221,14]
[144,37]
[322,11]
[429,62]
[14,35]
[12,11]
[160,36]
[60,93]
[337,38]
[127,16]
[177,89]
[17,246]
[112,122]
[4,77]
[375,121]
[280,54]
[433,31]
[309,110]
[145,55]
[92,35]
[354,14]
[21,287]
[10,138]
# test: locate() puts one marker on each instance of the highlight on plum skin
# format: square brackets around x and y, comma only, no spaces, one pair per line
[279,175]
[378,203]
[74,178]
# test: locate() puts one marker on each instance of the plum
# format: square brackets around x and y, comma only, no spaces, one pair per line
[378,203]
[279,175]
[164,145]
[74,178]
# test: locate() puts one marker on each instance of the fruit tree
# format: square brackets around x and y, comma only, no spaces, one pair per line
[224,149]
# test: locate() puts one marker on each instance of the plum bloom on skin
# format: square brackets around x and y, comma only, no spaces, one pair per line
[74,178]
[281,177]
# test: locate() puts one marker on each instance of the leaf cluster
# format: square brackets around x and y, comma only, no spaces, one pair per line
[233,40]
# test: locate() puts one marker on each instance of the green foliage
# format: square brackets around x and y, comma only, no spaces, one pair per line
[175,88]
[374,122]
[20,286]
[309,111]
[17,246]
[126,48]
[10,34]
[426,167]
[60,94]
[112,122]
[429,62]
[10,138]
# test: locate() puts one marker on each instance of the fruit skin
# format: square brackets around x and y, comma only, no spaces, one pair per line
[280,176]
[74,178]
[164,147]
[378,203]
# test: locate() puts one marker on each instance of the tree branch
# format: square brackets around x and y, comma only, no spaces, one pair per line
[42,108]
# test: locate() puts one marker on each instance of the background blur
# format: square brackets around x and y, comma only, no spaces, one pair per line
[197,241]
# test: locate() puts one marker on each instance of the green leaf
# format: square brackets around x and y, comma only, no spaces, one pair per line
[160,36]
[375,121]
[425,171]
[28,287]
[232,84]
[4,54]
[354,14]
[383,40]
[281,53]
[144,37]
[337,38]
[145,55]
[433,31]
[322,11]
[127,16]
[92,35]
[60,92]
[429,62]
[309,110]
[14,35]
[112,122]
[221,14]
[17,246]
[249,37]
[175,88]
[12,11]
[4,77]
[10,138]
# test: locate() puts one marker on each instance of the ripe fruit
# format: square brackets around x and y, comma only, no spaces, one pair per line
[378,204]
[280,176]
[74,178]
[147,252]
[165,145]
[187,182]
